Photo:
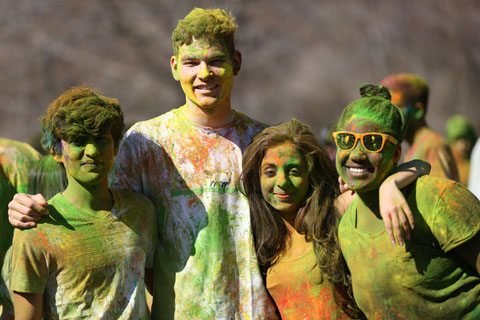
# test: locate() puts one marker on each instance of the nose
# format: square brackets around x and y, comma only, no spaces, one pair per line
[283,180]
[358,153]
[92,149]
[204,71]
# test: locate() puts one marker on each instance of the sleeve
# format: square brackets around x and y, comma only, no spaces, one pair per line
[29,261]
[125,173]
[456,216]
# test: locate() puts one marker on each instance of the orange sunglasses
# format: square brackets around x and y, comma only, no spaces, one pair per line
[371,141]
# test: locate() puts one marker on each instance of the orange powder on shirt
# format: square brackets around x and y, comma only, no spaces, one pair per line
[297,286]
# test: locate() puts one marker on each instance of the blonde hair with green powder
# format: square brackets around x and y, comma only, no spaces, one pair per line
[210,24]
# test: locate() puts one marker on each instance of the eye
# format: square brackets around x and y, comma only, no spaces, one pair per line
[189,63]
[295,172]
[217,62]
[270,172]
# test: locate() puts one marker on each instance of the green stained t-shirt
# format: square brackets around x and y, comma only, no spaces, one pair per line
[89,266]
[425,279]
[206,266]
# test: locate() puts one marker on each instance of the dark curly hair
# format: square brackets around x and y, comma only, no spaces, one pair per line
[78,113]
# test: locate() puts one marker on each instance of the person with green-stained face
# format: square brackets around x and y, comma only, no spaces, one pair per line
[295,205]
[187,162]
[436,274]
[88,258]
[410,93]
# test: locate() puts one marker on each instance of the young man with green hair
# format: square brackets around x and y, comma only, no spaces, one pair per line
[410,93]
[187,161]
[88,257]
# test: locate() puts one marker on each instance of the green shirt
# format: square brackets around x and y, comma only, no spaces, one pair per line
[425,279]
[89,266]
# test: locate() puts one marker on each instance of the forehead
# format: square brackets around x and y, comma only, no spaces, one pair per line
[282,154]
[204,46]
[364,123]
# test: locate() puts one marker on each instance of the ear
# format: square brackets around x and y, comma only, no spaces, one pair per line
[237,62]
[397,154]
[173,66]
[57,157]
[419,113]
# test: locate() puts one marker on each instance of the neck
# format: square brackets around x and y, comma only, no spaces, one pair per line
[289,217]
[414,129]
[209,117]
[88,198]
[369,203]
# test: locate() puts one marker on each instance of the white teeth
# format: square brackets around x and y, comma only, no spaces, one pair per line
[209,87]
[358,170]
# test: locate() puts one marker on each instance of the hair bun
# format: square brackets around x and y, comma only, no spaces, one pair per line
[371,90]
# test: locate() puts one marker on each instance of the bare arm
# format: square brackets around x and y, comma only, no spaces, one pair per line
[393,205]
[28,306]
[470,252]
[25,209]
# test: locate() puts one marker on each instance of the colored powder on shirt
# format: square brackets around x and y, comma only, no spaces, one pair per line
[425,278]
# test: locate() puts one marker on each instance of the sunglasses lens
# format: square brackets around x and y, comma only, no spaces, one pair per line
[345,141]
[373,142]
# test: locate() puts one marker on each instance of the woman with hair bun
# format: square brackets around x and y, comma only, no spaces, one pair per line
[436,274]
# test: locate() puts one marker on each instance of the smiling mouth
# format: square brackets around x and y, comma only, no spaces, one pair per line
[206,87]
[283,196]
[360,170]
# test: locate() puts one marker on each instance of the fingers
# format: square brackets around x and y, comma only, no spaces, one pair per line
[396,227]
[19,220]
[25,209]
[388,226]
[40,200]
[31,205]
[409,215]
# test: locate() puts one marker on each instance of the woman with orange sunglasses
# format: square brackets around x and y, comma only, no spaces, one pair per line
[436,274]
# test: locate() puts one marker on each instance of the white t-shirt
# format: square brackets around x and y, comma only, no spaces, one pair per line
[206,267]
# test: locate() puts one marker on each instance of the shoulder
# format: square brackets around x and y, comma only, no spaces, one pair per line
[245,121]
[348,216]
[134,201]
[18,149]
[154,129]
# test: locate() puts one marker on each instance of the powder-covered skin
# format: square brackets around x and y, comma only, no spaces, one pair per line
[206,267]
[425,279]
[284,179]
[89,266]
[297,286]
[431,147]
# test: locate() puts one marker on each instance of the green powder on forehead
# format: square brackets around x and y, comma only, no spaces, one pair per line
[379,110]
